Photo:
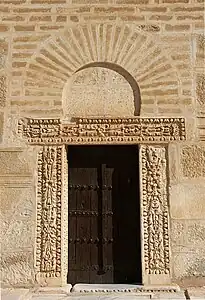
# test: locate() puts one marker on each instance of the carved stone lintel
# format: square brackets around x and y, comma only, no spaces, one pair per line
[48,251]
[155,210]
[102,130]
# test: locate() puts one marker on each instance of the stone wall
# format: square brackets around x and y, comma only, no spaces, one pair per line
[48,49]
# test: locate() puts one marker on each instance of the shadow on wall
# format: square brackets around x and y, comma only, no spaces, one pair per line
[101,89]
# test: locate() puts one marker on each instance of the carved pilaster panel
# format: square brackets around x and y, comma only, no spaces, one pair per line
[155,224]
[2,90]
[48,252]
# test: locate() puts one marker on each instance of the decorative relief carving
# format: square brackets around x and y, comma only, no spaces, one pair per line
[151,28]
[48,254]
[2,90]
[155,210]
[3,52]
[40,128]
[106,130]
[52,236]
[200,88]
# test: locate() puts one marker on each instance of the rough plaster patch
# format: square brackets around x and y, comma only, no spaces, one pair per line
[16,162]
[193,161]
[187,234]
[17,268]
[195,234]
[17,218]
[189,263]
[177,232]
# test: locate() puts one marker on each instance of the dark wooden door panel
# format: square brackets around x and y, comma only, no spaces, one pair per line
[83,203]
[104,240]
[107,221]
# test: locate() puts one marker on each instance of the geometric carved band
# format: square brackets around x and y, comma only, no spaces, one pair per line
[48,240]
[102,130]
[155,210]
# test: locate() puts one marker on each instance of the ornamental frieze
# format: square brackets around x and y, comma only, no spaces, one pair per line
[102,130]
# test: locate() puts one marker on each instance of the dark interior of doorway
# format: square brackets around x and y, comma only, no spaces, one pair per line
[104,215]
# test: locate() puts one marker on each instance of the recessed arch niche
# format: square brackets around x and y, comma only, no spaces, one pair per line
[101,89]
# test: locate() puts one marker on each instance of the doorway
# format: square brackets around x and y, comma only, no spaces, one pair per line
[104,215]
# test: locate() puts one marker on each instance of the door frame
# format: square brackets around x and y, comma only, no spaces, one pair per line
[113,162]
[51,137]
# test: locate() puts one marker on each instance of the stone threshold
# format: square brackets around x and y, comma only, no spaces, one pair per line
[97,292]
[122,288]
[109,288]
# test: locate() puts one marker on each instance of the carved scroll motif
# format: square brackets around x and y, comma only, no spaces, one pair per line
[84,131]
[155,210]
[48,253]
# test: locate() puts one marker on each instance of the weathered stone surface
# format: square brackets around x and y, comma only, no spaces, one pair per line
[193,161]
[200,88]
[17,268]
[17,217]
[177,232]
[18,235]
[187,201]
[195,235]
[187,235]
[99,92]
[200,49]
[60,293]
[16,161]
[196,293]
[189,263]
[15,294]
[3,52]
[173,163]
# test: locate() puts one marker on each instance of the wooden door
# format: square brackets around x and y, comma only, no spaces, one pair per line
[104,241]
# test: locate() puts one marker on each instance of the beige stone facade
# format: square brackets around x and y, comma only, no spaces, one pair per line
[102,72]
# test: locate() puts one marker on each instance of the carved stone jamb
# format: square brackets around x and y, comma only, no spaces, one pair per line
[154,215]
[51,238]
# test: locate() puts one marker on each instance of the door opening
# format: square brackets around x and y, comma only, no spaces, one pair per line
[104,215]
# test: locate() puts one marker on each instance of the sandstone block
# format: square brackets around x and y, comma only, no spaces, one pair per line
[187,201]
[200,88]
[24,28]
[13,161]
[187,234]
[193,161]
[190,263]
[4,28]
[200,50]
[18,217]
[17,268]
